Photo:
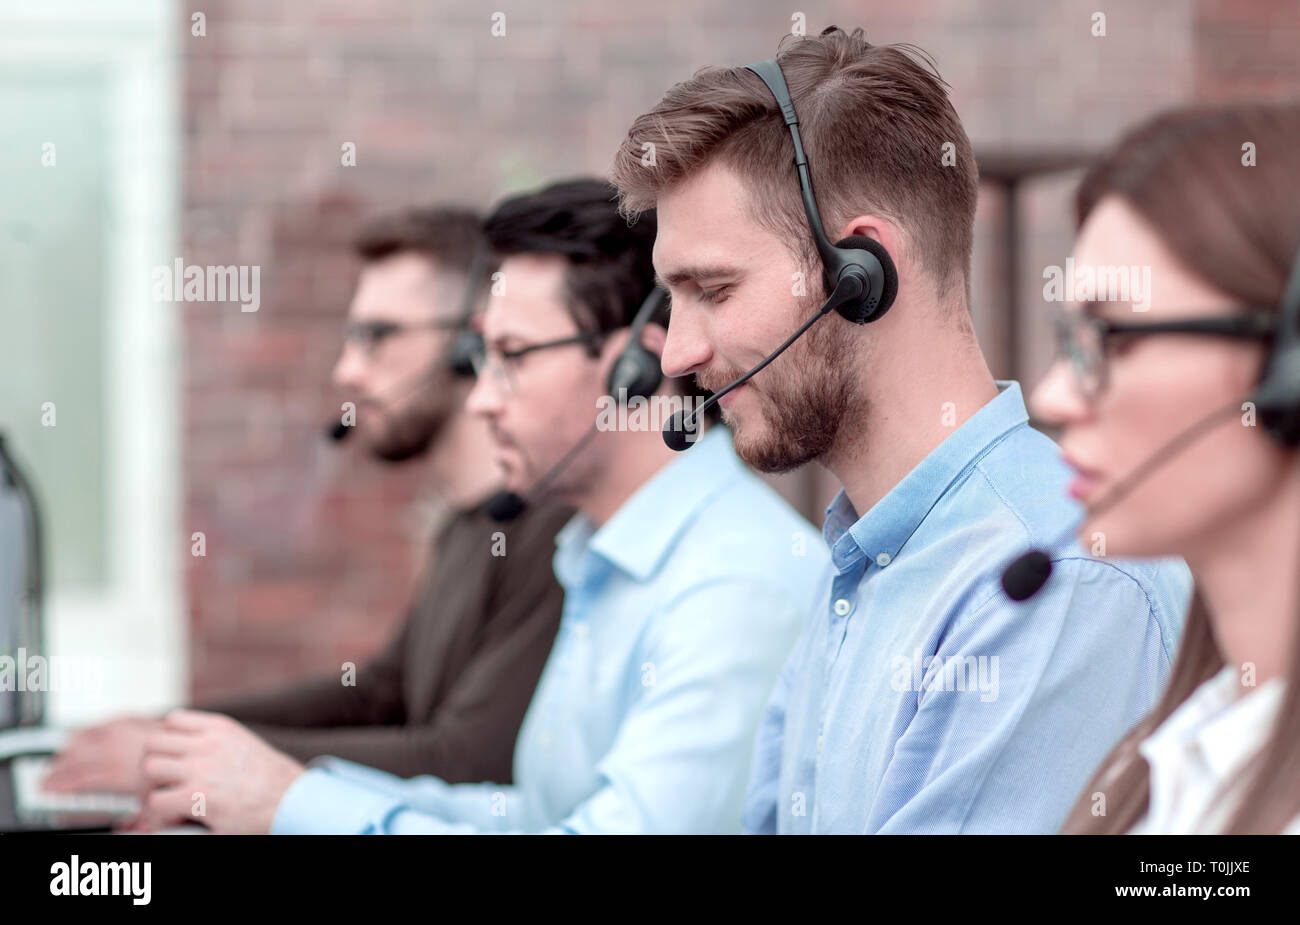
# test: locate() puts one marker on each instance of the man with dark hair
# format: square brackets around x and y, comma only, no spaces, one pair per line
[919,697]
[685,580]
[610,268]
[447,694]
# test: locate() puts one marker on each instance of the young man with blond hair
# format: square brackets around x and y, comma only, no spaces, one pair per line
[919,697]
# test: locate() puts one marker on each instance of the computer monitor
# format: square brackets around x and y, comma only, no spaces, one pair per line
[20,590]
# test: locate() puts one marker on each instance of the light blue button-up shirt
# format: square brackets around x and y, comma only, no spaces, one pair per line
[919,698]
[678,614]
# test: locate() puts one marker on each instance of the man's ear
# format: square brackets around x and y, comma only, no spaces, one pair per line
[872,226]
[611,345]
[897,244]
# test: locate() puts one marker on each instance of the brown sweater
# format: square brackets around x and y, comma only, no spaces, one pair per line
[447,695]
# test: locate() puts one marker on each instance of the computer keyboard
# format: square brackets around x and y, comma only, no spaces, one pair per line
[31,801]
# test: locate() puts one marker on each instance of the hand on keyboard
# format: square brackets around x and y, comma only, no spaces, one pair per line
[103,758]
[31,800]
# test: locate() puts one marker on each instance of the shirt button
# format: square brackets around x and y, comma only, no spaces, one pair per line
[883,559]
[580,630]
[544,740]
[819,745]
[842,607]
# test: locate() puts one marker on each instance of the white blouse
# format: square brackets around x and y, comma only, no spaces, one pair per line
[1205,745]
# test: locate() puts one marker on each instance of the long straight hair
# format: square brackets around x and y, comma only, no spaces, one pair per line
[1236,222]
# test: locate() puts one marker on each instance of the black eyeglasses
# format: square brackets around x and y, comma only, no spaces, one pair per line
[368,335]
[502,363]
[1088,341]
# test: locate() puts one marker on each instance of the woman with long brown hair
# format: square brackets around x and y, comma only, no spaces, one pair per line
[1204,203]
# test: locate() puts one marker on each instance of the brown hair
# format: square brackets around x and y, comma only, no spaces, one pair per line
[1238,227]
[608,271]
[874,120]
[450,236]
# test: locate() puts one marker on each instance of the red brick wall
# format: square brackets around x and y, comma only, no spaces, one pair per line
[310,550]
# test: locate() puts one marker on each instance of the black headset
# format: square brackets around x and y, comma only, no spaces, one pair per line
[860,276]
[1277,406]
[1277,397]
[468,343]
[637,371]
[858,273]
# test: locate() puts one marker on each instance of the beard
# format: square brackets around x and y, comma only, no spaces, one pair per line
[538,474]
[409,431]
[806,395]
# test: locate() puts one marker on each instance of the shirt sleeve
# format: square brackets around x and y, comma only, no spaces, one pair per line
[678,763]
[474,727]
[470,734]
[1062,677]
[336,797]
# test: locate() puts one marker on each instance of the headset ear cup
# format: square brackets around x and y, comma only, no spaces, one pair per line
[636,372]
[464,348]
[1277,397]
[880,269]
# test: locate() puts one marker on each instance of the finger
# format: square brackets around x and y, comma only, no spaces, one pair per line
[160,770]
[190,720]
[164,807]
[70,779]
[130,825]
[169,743]
[62,765]
[79,751]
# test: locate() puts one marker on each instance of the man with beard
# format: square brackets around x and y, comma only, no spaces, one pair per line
[447,694]
[919,698]
[686,580]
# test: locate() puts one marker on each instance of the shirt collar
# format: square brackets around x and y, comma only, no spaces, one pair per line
[882,532]
[1224,723]
[642,531]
